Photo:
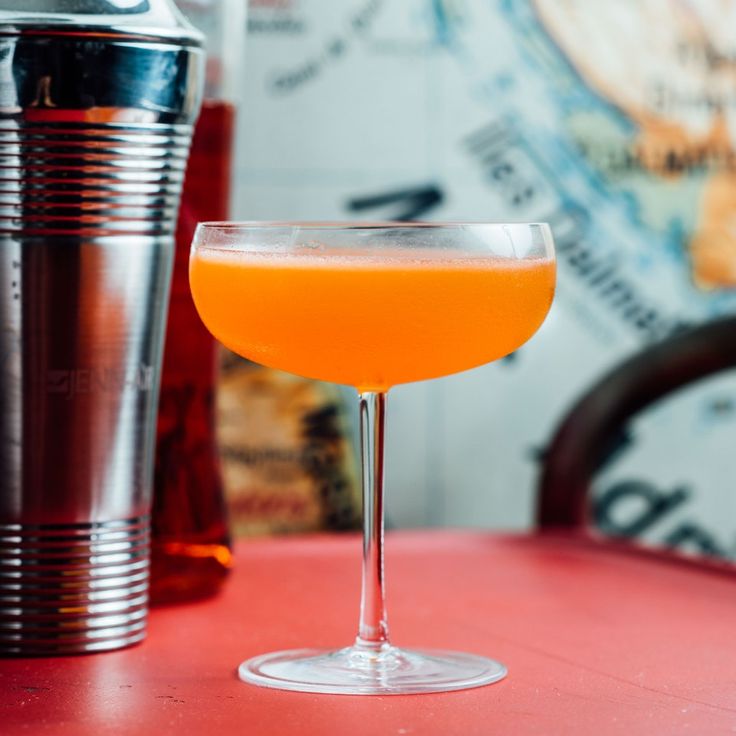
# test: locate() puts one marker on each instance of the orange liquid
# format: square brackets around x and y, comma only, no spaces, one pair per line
[367,320]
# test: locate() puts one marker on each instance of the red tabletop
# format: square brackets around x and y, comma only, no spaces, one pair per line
[596,642]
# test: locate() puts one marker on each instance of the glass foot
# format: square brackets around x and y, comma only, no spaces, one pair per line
[360,671]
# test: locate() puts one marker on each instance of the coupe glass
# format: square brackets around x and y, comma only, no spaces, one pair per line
[372,305]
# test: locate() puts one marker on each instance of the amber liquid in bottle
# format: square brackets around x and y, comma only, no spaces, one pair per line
[190,549]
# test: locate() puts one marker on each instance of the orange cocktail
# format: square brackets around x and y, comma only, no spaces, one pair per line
[372,305]
[370,320]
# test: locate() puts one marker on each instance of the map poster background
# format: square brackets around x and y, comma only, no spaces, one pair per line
[615,122]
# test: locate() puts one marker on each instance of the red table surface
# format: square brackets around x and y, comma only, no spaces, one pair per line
[596,642]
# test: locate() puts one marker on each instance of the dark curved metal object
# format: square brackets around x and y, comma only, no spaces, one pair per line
[584,439]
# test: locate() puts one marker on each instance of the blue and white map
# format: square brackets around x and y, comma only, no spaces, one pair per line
[613,121]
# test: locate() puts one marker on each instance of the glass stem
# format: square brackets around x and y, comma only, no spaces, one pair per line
[373,629]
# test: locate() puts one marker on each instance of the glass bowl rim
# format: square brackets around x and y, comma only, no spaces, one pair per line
[359,224]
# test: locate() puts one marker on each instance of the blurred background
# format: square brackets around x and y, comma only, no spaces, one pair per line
[613,121]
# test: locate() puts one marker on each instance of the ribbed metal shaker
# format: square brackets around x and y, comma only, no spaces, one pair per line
[97,102]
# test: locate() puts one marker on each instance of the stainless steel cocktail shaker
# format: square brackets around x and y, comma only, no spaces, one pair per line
[97,100]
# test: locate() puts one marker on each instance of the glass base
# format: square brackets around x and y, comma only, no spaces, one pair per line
[363,671]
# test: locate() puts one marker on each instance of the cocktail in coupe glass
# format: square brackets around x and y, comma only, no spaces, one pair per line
[372,305]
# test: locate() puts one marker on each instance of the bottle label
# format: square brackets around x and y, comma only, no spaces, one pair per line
[286,459]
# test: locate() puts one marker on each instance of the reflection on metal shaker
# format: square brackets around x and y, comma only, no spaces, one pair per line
[96,110]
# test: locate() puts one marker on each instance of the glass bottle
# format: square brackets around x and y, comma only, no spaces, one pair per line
[190,550]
